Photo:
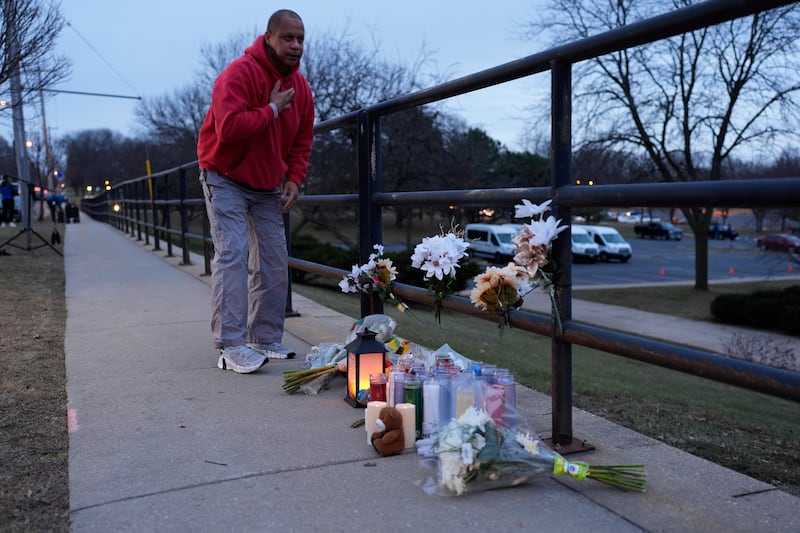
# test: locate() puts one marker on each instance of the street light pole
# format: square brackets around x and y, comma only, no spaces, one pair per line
[48,154]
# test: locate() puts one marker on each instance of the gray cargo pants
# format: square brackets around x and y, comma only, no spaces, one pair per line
[249,271]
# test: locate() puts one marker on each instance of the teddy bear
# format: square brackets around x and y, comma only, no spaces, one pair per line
[389,439]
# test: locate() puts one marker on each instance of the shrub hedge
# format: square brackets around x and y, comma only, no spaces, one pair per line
[772,309]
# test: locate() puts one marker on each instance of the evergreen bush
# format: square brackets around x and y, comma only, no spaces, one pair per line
[770,309]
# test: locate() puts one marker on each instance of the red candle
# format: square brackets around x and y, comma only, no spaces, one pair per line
[377,387]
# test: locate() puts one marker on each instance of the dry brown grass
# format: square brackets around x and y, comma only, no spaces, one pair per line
[34,488]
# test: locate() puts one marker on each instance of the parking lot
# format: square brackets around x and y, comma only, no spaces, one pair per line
[656,261]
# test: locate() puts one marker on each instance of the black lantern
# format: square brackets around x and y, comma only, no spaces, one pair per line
[365,356]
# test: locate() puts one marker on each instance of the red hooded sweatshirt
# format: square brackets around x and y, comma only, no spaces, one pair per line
[242,139]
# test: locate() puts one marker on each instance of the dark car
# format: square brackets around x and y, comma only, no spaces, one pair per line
[782,242]
[722,231]
[658,230]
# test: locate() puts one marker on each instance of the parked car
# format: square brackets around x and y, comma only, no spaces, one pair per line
[658,230]
[722,231]
[492,241]
[782,242]
[583,247]
[610,243]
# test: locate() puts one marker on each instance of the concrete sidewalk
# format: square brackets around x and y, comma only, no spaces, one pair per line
[161,440]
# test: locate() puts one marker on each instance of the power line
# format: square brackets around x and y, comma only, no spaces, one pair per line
[121,77]
[84,93]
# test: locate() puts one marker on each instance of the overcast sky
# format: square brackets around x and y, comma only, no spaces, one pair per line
[152,47]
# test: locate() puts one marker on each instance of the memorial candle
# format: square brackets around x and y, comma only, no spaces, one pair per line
[408,412]
[371,416]
[377,387]
[412,393]
[430,407]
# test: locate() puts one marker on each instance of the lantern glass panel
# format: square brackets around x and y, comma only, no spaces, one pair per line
[365,356]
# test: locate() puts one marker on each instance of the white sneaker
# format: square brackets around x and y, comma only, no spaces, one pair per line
[240,359]
[273,350]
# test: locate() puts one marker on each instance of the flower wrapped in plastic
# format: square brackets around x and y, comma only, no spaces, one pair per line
[483,451]
[438,256]
[322,363]
[375,277]
[381,325]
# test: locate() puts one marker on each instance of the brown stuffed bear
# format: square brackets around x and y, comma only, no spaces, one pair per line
[389,440]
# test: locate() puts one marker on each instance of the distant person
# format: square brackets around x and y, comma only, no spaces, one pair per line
[253,152]
[56,204]
[8,191]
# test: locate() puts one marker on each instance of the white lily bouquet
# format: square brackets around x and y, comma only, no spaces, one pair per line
[503,289]
[478,451]
[438,257]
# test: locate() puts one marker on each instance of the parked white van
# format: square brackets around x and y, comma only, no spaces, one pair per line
[492,241]
[583,247]
[611,244]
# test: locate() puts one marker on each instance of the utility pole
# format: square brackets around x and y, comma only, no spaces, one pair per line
[15,86]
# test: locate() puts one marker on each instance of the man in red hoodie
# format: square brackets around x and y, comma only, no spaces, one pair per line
[253,152]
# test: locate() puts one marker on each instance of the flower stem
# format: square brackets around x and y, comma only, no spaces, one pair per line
[626,477]
[294,379]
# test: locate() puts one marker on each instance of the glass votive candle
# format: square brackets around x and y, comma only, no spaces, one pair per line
[377,387]
[412,393]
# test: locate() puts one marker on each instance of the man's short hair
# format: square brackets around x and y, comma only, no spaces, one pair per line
[277,17]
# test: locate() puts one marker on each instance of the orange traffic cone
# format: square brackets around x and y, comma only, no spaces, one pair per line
[790,268]
[661,271]
[730,271]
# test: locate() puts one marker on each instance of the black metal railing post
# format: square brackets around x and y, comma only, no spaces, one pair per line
[370,223]
[154,209]
[208,248]
[138,199]
[144,199]
[130,213]
[167,217]
[186,258]
[287,230]
[561,157]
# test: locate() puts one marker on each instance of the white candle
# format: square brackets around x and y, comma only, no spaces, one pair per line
[430,408]
[390,389]
[408,411]
[371,414]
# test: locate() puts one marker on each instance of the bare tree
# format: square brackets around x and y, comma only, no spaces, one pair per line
[690,102]
[28,34]
[347,76]
[214,57]
[175,120]
[94,156]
